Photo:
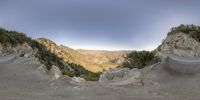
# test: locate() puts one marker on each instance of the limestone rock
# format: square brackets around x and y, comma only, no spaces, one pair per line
[55,72]
[24,49]
[42,68]
[121,76]
[113,74]
[78,79]
[181,44]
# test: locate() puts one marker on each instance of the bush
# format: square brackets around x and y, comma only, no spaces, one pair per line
[139,59]
[91,76]
[87,75]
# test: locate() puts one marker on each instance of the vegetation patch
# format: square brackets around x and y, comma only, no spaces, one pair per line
[192,30]
[140,59]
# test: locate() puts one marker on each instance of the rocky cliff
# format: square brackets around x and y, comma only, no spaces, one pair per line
[182,41]
[181,44]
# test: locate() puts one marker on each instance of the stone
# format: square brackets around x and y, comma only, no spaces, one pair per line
[78,79]
[1,48]
[122,76]
[113,74]
[42,68]
[55,72]
[24,48]
[180,44]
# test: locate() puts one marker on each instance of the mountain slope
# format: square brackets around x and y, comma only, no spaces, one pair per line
[12,42]
[95,61]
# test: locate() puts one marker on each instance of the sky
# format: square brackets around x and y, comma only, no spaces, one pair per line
[99,24]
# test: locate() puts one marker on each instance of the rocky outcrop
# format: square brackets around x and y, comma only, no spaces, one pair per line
[122,76]
[180,44]
[42,68]
[78,79]
[55,72]
[20,49]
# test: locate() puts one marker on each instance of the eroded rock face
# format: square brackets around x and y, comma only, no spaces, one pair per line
[55,72]
[181,44]
[121,76]
[22,48]
[42,68]
[113,74]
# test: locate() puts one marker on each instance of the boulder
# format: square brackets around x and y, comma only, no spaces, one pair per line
[121,76]
[55,72]
[113,74]
[42,68]
[78,79]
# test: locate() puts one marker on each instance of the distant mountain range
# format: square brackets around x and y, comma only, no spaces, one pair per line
[92,60]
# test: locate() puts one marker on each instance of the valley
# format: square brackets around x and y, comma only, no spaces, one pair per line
[92,60]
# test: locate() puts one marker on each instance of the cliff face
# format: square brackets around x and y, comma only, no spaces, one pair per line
[180,44]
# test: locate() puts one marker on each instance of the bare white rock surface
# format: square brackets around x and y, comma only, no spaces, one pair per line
[55,72]
[181,44]
[78,79]
[121,76]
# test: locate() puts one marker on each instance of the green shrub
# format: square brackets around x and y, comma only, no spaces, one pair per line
[192,30]
[139,59]
[87,75]
[91,76]
[67,72]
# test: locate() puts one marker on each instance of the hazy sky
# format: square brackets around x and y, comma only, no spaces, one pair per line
[99,24]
